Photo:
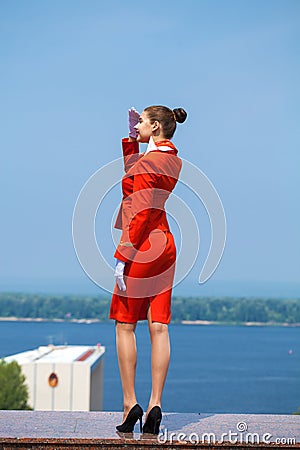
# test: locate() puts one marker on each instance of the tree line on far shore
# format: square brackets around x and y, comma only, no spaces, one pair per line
[214,309]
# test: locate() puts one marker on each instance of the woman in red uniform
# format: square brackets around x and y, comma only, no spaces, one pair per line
[146,255]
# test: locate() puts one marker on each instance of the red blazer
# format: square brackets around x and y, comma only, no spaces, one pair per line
[148,181]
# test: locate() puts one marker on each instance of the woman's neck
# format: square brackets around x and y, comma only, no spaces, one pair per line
[158,138]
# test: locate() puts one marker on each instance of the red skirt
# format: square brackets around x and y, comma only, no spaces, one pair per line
[148,280]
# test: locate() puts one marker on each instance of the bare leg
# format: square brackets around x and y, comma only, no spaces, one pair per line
[126,350]
[159,335]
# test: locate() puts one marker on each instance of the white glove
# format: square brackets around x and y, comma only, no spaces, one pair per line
[133,119]
[119,274]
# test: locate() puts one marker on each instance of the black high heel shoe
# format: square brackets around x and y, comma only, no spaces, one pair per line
[153,421]
[133,416]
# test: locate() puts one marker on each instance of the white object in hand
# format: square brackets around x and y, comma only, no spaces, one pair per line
[119,274]
[133,119]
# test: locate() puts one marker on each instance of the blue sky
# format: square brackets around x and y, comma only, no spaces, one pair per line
[69,72]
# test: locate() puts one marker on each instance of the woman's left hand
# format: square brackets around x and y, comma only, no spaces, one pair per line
[119,274]
[133,119]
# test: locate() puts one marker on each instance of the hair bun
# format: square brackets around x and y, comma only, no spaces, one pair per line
[180,114]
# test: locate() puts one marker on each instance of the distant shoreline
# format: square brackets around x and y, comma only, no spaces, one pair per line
[246,324]
[183,322]
[42,319]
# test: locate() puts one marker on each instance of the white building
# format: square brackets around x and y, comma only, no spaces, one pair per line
[63,378]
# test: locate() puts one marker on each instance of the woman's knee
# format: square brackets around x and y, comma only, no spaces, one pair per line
[125,327]
[158,328]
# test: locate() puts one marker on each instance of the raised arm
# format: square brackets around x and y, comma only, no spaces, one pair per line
[130,149]
[145,181]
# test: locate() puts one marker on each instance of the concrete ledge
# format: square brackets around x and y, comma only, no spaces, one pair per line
[96,430]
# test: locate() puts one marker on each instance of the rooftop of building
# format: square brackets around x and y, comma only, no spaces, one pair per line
[59,354]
